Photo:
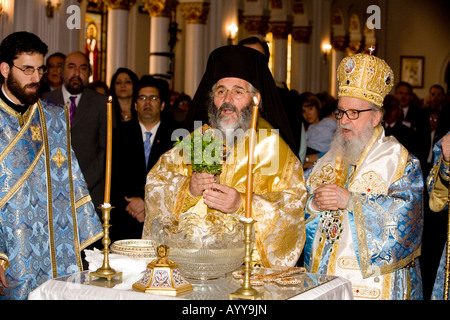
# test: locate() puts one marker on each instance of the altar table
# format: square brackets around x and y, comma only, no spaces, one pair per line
[78,287]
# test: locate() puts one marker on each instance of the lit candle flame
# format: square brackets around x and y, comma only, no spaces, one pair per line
[255,101]
[110,99]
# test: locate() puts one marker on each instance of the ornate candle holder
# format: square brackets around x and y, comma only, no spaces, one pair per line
[246,292]
[105,271]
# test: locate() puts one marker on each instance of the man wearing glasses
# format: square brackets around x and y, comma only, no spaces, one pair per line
[138,144]
[46,213]
[52,80]
[234,76]
[365,211]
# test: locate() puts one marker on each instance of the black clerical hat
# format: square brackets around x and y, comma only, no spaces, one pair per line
[250,65]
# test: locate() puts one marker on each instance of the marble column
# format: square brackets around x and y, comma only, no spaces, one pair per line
[161,12]
[300,57]
[23,14]
[319,71]
[116,50]
[280,31]
[196,57]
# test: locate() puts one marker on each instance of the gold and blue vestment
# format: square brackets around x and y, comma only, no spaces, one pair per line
[437,184]
[376,241]
[46,213]
[278,199]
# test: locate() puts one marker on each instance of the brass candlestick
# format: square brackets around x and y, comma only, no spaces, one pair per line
[105,271]
[246,291]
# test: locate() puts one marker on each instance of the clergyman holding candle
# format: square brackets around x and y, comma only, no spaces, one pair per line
[224,101]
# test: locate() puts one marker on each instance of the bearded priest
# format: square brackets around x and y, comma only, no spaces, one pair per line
[364,213]
[234,76]
[46,213]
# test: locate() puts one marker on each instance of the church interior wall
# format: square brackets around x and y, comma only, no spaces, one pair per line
[408,28]
[419,28]
[138,41]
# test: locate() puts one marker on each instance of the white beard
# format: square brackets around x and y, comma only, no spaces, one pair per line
[352,149]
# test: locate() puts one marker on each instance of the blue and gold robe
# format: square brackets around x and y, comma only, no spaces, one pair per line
[46,213]
[437,183]
[376,241]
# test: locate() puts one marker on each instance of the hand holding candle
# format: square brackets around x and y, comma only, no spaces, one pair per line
[248,202]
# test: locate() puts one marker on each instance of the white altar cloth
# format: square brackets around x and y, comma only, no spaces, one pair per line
[77,287]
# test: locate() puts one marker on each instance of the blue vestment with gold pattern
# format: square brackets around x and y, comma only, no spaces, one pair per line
[46,213]
[437,183]
[376,241]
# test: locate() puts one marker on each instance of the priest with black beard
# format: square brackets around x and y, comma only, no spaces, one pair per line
[46,213]
[234,76]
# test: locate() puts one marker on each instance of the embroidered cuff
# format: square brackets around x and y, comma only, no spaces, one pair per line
[310,210]
[349,206]
[444,170]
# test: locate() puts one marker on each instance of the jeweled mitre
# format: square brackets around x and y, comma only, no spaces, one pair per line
[365,77]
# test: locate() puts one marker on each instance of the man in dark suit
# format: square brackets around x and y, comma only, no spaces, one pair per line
[393,125]
[416,119]
[88,121]
[129,163]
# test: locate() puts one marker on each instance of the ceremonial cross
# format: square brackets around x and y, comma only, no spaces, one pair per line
[36,133]
[59,158]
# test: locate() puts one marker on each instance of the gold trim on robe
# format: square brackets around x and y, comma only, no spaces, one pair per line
[278,199]
[47,200]
[382,163]
[439,195]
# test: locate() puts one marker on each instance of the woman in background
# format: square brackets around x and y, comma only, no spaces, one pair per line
[123,91]
[320,126]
